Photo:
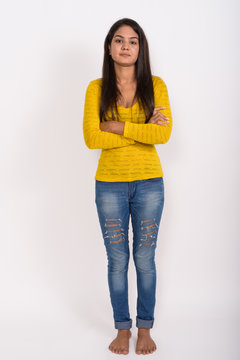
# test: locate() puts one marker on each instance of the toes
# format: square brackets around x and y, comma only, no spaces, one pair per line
[118,350]
[147,349]
[154,348]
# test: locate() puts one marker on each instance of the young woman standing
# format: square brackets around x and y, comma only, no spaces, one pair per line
[122,117]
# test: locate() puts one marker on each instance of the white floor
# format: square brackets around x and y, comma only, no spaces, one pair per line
[45,326]
[175,338]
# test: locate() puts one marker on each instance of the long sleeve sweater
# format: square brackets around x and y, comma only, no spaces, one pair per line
[131,156]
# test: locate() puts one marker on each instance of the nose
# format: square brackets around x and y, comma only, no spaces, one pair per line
[125,45]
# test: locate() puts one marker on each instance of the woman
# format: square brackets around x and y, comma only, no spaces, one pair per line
[122,117]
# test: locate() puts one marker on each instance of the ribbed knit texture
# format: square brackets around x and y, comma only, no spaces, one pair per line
[131,156]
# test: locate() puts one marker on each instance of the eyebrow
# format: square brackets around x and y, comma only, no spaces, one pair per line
[131,37]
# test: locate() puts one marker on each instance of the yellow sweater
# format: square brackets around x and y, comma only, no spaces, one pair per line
[131,156]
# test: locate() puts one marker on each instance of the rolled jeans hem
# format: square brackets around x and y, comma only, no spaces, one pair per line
[141,323]
[123,324]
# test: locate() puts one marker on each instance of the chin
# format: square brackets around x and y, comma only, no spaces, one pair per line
[125,63]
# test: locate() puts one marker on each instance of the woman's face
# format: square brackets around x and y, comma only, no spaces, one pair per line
[124,47]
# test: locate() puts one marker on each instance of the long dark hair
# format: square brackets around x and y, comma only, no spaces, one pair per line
[144,90]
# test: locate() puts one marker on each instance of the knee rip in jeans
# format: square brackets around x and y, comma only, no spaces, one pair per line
[150,233]
[116,233]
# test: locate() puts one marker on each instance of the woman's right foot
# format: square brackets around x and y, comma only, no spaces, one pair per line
[120,345]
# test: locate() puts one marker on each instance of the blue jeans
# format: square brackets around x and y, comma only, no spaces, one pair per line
[115,201]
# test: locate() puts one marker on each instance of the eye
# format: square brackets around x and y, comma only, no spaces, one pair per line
[118,40]
[133,42]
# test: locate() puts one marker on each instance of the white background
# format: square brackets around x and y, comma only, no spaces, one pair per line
[54,300]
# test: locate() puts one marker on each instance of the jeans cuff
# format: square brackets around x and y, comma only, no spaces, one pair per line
[147,324]
[123,324]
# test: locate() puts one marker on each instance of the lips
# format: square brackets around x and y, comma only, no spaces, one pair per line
[124,55]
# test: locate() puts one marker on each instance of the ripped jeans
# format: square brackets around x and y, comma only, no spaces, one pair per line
[115,201]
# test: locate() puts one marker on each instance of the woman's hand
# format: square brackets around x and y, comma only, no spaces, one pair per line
[158,118]
[112,126]
[104,125]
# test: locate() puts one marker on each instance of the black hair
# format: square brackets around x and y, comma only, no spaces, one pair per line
[144,90]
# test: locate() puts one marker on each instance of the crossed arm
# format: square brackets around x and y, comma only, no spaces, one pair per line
[94,137]
[117,127]
[110,134]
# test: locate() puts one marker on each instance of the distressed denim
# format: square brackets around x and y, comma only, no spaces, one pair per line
[115,202]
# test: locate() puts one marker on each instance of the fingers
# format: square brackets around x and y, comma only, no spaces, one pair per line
[155,112]
[159,122]
[158,117]
[159,108]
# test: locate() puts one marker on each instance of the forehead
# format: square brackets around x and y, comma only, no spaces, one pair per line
[126,31]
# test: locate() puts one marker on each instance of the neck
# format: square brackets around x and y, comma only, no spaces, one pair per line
[125,74]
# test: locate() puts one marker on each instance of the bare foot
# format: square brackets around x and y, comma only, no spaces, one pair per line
[120,345]
[145,344]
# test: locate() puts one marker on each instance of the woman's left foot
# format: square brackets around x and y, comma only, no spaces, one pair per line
[145,344]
